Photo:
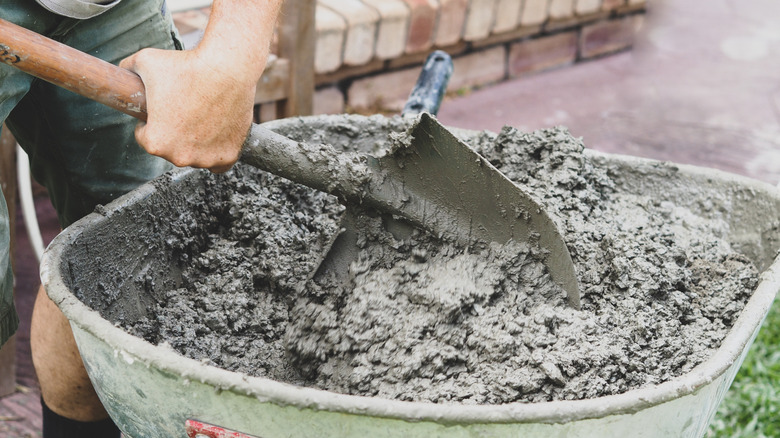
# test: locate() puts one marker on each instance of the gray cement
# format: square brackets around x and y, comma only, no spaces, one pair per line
[421,319]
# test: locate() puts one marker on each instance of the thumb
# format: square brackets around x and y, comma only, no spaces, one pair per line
[129,63]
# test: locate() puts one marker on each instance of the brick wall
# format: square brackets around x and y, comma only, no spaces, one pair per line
[368,52]
[490,41]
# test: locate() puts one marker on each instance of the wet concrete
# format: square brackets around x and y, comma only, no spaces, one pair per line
[421,319]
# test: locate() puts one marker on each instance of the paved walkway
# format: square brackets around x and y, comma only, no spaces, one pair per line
[701,87]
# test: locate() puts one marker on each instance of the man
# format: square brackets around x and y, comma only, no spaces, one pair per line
[200,109]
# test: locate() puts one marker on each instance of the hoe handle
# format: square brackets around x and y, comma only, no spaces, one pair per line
[431,85]
[73,70]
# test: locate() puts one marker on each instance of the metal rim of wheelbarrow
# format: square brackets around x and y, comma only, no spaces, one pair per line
[267,390]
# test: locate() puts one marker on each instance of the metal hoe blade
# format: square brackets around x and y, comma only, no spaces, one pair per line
[451,190]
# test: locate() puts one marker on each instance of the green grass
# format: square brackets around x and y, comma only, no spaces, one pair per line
[752,405]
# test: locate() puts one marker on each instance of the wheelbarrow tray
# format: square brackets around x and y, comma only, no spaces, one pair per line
[152,391]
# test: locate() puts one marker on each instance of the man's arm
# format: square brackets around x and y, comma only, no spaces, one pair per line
[200,101]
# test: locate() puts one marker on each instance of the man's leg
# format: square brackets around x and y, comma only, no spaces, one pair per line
[65,386]
[58,364]
[85,154]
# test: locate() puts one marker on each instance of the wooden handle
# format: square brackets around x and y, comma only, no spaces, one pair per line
[73,70]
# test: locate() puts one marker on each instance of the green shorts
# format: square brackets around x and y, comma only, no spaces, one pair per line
[84,153]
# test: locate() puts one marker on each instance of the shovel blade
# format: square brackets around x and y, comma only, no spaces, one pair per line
[454,192]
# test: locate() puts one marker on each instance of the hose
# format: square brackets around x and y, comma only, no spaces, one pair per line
[27,202]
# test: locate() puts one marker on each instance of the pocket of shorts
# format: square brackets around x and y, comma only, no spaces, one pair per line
[167,16]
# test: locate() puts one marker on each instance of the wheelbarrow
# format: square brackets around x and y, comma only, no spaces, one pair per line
[152,391]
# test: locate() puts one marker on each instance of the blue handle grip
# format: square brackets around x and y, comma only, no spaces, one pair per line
[431,85]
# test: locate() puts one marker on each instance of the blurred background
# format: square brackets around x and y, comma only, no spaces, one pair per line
[686,81]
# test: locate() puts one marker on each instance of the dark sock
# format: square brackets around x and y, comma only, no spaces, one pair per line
[57,426]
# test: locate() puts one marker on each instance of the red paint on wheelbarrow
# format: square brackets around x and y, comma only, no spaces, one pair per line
[197,429]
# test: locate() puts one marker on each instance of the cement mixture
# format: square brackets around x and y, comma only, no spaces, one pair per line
[421,319]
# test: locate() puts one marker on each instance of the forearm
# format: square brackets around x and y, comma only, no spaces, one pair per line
[238,36]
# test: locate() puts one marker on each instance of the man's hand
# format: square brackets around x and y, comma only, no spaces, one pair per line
[198,115]
[200,102]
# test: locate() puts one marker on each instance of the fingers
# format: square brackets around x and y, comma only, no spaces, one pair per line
[218,158]
[221,168]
